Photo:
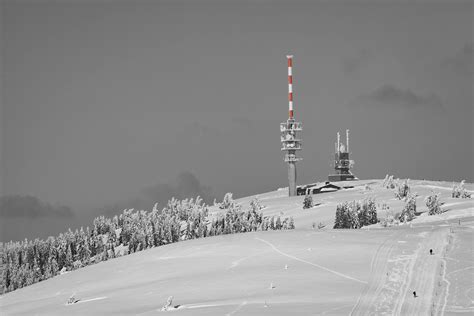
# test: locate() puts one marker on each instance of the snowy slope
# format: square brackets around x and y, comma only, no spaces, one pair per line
[302,272]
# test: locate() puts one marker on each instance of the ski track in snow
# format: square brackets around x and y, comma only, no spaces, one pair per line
[448,284]
[378,267]
[334,309]
[310,263]
[237,262]
[89,300]
[237,309]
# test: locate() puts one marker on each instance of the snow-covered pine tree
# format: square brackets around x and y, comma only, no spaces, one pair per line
[339,221]
[278,223]
[308,201]
[459,191]
[408,212]
[402,190]
[272,223]
[353,215]
[291,223]
[255,205]
[433,204]
[227,201]
[368,212]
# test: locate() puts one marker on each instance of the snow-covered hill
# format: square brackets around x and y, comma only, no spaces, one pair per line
[306,271]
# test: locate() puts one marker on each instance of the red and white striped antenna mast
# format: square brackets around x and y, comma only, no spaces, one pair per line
[289,134]
[290,86]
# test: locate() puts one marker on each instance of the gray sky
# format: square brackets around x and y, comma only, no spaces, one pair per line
[104,99]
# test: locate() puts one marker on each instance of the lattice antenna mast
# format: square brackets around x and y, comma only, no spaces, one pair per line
[289,134]
[342,163]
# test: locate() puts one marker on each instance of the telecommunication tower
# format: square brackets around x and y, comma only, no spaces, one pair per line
[342,163]
[289,130]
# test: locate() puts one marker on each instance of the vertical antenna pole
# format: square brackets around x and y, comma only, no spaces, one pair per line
[338,142]
[290,86]
[347,140]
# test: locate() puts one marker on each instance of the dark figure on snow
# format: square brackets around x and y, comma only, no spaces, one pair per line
[414,293]
[431,251]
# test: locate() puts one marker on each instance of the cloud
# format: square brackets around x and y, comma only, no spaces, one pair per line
[461,63]
[390,95]
[186,185]
[356,62]
[12,206]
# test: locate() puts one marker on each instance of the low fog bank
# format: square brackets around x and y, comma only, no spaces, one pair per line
[27,217]
[186,185]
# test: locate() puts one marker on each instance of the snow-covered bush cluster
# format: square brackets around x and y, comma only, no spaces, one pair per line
[236,220]
[27,262]
[433,204]
[402,190]
[460,192]
[390,219]
[389,182]
[406,215]
[409,209]
[356,214]
[308,201]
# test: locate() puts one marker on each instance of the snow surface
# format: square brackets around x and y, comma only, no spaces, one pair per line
[300,272]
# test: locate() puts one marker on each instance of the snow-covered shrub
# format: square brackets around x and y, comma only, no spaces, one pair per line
[408,212]
[356,214]
[255,205]
[227,202]
[291,223]
[347,215]
[388,182]
[168,305]
[433,204]
[402,190]
[460,192]
[72,300]
[368,212]
[388,220]
[308,201]
[237,220]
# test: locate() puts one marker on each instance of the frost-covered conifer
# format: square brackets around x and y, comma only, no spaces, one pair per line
[291,223]
[368,212]
[308,201]
[402,190]
[278,225]
[255,205]
[227,202]
[408,212]
[459,191]
[433,204]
